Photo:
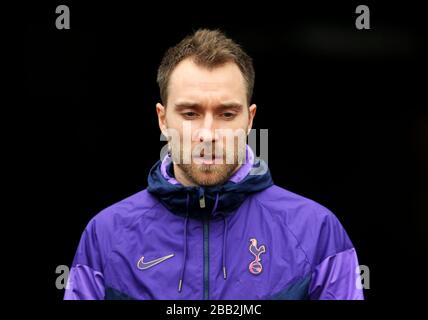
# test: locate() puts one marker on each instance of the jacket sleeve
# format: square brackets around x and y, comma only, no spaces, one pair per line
[334,272]
[86,280]
[337,278]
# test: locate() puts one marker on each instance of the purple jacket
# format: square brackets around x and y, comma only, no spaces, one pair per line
[246,239]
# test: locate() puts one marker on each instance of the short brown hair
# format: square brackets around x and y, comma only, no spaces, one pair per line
[208,48]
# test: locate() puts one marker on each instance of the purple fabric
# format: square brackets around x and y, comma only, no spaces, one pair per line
[165,163]
[245,168]
[240,174]
[335,278]
[84,283]
[300,236]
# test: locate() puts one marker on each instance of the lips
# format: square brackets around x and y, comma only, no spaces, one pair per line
[202,155]
[204,160]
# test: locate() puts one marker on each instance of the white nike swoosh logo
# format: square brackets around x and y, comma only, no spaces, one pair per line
[145,265]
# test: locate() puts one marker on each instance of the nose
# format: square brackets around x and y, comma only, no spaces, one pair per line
[207,132]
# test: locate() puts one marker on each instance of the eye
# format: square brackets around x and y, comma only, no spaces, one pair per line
[228,115]
[189,115]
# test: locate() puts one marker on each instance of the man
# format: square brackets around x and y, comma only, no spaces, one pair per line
[212,225]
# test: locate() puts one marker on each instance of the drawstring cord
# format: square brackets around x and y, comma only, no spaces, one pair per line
[180,283]
[224,237]
[224,246]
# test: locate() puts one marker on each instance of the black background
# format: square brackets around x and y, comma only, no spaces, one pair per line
[345,109]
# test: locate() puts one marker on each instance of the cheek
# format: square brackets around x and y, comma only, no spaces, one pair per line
[240,122]
[174,129]
[181,130]
[170,117]
[174,121]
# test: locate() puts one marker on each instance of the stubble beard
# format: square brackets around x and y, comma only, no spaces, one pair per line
[211,174]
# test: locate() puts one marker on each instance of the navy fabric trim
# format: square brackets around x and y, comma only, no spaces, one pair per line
[295,291]
[184,200]
[113,294]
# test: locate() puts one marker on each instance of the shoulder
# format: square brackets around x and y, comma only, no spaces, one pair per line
[109,227]
[114,220]
[315,227]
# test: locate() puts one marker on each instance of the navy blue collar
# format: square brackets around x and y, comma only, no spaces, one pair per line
[202,202]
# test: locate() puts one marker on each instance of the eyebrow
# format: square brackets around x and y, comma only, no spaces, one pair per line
[192,105]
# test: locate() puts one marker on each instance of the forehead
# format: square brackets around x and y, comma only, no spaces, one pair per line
[189,81]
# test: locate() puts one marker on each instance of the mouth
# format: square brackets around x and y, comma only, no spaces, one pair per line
[202,159]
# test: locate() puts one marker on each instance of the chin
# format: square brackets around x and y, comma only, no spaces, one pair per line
[210,176]
[208,179]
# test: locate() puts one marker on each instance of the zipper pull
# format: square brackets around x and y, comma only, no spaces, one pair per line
[201,198]
[202,201]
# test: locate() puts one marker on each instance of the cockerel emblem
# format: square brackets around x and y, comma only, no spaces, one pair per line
[255,266]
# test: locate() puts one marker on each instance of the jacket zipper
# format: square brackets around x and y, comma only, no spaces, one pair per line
[206,258]
[206,246]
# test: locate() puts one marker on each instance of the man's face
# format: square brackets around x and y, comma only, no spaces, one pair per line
[208,109]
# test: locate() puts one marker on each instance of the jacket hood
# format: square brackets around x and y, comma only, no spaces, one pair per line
[201,202]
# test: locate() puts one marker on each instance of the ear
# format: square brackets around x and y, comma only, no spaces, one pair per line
[161,111]
[251,114]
